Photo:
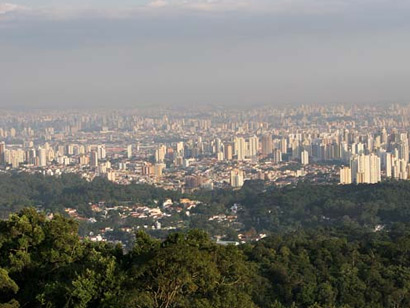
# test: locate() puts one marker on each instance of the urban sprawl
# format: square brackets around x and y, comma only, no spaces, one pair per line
[207,149]
[187,150]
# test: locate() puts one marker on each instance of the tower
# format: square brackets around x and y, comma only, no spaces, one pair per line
[266,145]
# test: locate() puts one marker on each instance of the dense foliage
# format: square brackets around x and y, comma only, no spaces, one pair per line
[323,249]
[330,268]
[265,208]
[306,205]
[70,190]
[43,263]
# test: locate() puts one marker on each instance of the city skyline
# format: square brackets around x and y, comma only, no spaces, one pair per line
[204,153]
[180,150]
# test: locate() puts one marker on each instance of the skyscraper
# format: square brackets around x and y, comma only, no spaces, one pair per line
[253,146]
[277,156]
[101,152]
[236,178]
[304,157]
[218,146]
[366,169]
[2,150]
[129,151]
[160,153]
[240,148]
[283,145]
[404,150]
[158,168]
[42,155]
[93,159]
[228,152]
[267,145]
[400,169]
[180,149]
[345,175]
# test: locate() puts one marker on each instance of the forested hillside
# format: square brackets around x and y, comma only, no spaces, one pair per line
[43,263]
[265,208]
[70,190]
[323,249]
[307,205]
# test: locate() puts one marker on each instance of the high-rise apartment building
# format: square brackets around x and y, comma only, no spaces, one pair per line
[2,150]
[267,145]
[404,150]
[180,149]
[304,157]
[240,148]
[283,145]
[94,159]
[42,157]
[160,154]
[129,151]
[366,169]
[158,169]
[228,152]
[101,152]
[345,175]
[236,178]
[277,156]
[253,146]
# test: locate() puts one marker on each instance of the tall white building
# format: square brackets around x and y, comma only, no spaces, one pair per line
[180,149]
[277,156]
[283,145]
[345,153]
[129,151]
[14,157]
[358,148]
[240,148]
[101,152]
[400,169]
[366,169]
[387,160]
[404,150]
[218,146]
[42,155]
[345,175]
[304,157]
[253,146]
[160,154]
[236,178]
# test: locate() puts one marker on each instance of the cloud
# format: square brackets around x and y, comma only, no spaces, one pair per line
[201,5]
[6,8]
[64,12]
[89,8]
[278,6]
[157,3]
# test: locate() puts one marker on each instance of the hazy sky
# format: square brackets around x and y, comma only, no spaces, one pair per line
[139,52]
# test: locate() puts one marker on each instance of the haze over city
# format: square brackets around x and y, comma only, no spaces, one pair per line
[205,153]
[58,54]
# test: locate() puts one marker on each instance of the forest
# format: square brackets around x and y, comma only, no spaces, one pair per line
[43,263]
[264,207]
[70,190]
[328,246]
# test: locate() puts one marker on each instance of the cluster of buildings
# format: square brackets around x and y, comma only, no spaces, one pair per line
[381,155]
[208,148]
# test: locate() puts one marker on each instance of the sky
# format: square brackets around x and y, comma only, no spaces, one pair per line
[130,53]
